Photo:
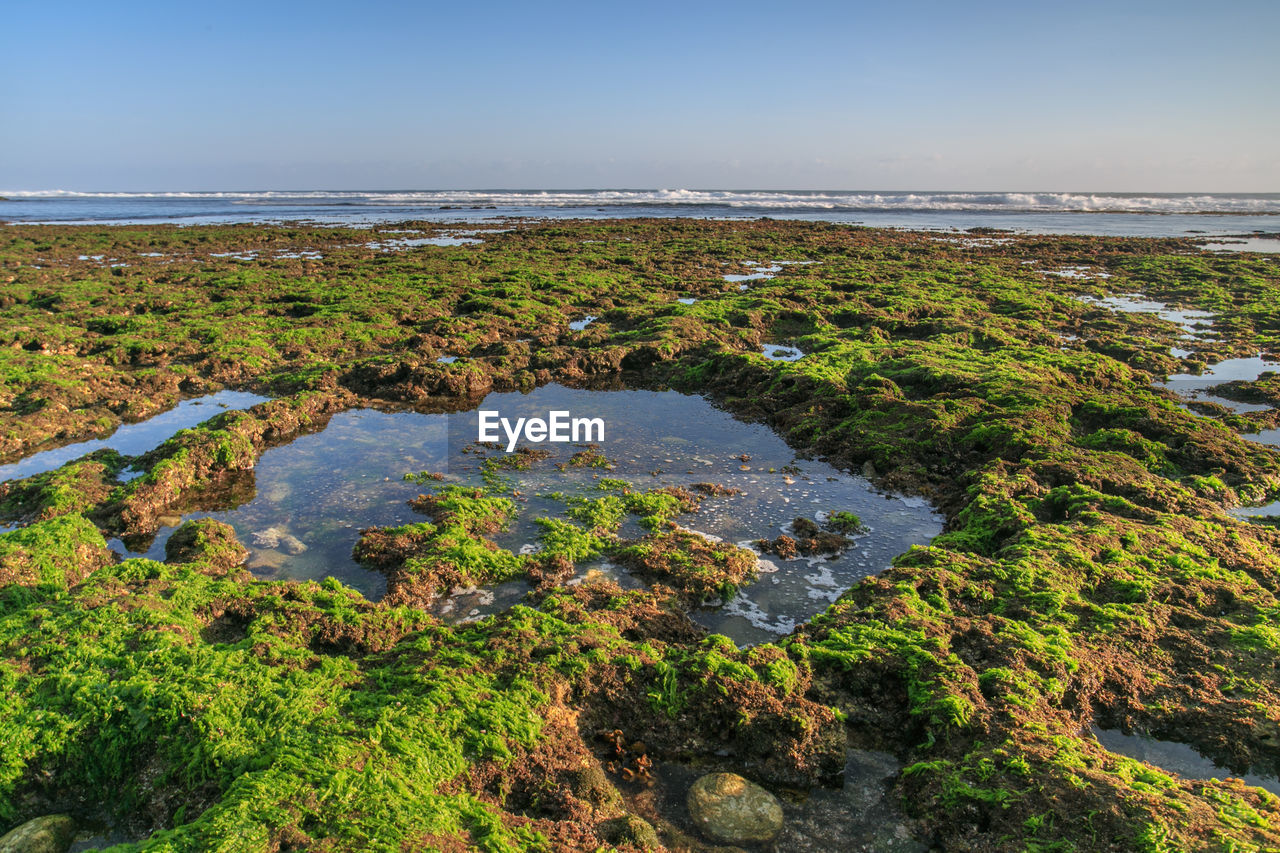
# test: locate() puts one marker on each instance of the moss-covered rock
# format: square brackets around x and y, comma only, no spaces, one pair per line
[58,553]
[206,541]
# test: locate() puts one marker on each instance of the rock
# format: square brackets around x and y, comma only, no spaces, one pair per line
[730,809]
[868,470]
[48,834]
[866,777]
[591,785]
[292,544]
[206,541]
[275,537]
[267,562]
[628,829]
[277,493]
[269,538]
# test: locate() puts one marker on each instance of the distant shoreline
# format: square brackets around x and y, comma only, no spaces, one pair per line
[1099,214]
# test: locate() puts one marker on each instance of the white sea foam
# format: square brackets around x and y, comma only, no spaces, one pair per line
[1052,202]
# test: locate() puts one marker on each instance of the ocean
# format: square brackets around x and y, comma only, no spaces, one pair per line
[1118,214]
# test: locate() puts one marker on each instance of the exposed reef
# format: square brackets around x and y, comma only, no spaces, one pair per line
[1090,571]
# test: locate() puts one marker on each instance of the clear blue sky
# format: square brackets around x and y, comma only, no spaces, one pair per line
[1123,96]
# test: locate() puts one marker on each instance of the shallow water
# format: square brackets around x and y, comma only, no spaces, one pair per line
[399,245]
[1234,405]
[861,815]
[1228,370]
[1269,437]
[1199,387]
[321,489]
[1245,244]
[1080,272]
[761,272]
[132,439]
[779,352]
[1193,386]
[92,836]
[1270,510]
[1194,322]
[1176,758]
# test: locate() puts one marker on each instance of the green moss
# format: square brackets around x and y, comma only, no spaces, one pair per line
[55,553]
[1086,547]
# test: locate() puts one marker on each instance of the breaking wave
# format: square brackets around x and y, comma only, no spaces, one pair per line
[746,200]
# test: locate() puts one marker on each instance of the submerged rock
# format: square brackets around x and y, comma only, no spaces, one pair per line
[733,810]
[275,538]
[48,834]
[292,544]
[269,538]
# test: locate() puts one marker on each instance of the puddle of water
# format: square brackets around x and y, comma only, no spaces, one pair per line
[1269,437]
[100,838]
[860,815]
[239,256]
[321,489]
[1230,370]
[469,604]
[761,272]
[778,352]
[314,494]
[446,359]
[1270,510]
[1245,244]
[1194,322]
[1080,272]
[1176,758]
[132,439]
[579,325]
[398,244]
[1233,405]
[686,300]
[975,242]
[657,439]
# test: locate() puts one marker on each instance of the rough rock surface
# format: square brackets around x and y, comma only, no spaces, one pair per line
[731,809]
[47,834]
